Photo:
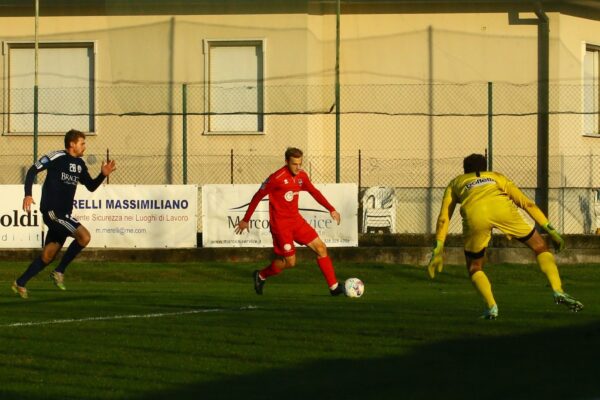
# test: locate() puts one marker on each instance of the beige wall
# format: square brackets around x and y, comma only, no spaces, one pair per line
[387,64]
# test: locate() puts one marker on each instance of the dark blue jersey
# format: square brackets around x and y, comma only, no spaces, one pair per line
[64,172]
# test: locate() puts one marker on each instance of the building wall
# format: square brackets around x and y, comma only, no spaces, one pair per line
[411,134]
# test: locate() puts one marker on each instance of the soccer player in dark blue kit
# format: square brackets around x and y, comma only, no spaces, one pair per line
[65,169]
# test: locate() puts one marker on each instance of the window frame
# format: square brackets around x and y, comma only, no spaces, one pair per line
[26,44]
[207,44]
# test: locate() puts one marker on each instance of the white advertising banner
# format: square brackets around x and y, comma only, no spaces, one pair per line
[223,206]
[147,216]
[19,229]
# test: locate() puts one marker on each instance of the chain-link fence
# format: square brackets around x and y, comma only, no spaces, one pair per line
[411,138]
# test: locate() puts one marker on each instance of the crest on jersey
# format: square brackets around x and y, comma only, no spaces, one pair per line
[44,160]
[79,168]
[300,181]
[285,181]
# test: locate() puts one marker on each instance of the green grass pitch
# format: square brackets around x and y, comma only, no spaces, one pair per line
[198,331]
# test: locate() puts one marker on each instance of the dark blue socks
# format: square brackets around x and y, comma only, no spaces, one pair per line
[34,268]
[72,251]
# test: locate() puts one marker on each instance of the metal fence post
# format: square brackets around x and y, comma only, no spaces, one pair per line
[337,93]
[107,160]
[490,157]
[360,207]
[231,166]
[184,128]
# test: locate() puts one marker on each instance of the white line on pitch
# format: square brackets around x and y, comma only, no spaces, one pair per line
[130,316]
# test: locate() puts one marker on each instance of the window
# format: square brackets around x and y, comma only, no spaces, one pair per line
[591,88]
[65,87]
[234,86]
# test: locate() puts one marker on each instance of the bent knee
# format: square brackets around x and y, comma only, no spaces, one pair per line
[290,263]
[82,236]
[474,266]
[321,250]
[474,269]
[539,249]
[84,241]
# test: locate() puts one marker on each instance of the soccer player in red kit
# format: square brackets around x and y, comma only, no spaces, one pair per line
[287,225]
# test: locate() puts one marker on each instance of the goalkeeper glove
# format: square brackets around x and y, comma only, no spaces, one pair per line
[437,259]
[557,240]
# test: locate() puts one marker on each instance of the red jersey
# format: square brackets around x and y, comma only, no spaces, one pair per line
[283,189]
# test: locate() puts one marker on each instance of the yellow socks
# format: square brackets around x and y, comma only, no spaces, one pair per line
[548,267]
[484,287]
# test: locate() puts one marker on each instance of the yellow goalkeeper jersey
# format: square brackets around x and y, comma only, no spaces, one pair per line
[487,201]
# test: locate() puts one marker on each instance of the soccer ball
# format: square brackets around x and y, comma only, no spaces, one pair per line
[354,287]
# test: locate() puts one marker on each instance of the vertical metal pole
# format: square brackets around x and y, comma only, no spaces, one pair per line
[231,166]
[107,160]
[543,142]
[360,207]
[337,92]
[184,127]
[563,184]
[490,157]
[430,93]
[35,83]
[359,169]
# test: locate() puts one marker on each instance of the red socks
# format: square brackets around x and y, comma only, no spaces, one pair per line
[324,263]
[326,267]
[269,271]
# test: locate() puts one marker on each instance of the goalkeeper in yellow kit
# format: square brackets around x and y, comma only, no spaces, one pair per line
[490,200]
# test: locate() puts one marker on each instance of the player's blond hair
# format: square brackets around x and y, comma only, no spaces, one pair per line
[293,152]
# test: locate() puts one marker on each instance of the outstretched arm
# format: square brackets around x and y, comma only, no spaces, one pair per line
[446,211]
[258,196]
[94,183]
[436,263]
[318,196]
[519,198]
[29,178]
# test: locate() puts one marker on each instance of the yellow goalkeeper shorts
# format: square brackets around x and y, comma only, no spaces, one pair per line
[481,218]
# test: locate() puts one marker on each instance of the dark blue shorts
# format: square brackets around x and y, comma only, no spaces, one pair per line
[60,226]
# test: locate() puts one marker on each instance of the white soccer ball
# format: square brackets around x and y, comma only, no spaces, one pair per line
[354,287]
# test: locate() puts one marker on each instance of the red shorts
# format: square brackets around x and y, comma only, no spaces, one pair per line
[300,232]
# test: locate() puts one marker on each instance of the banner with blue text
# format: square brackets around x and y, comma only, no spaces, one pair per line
[146,216]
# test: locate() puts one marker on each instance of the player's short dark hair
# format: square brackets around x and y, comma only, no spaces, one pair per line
[293,152]
[475,163]
[73,136]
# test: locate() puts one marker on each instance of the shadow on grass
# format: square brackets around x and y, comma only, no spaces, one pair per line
[553,364]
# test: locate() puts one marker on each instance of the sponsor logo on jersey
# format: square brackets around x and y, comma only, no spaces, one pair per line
[479,182]
[69,179]
[285,181]
[289,196]
[72,167]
